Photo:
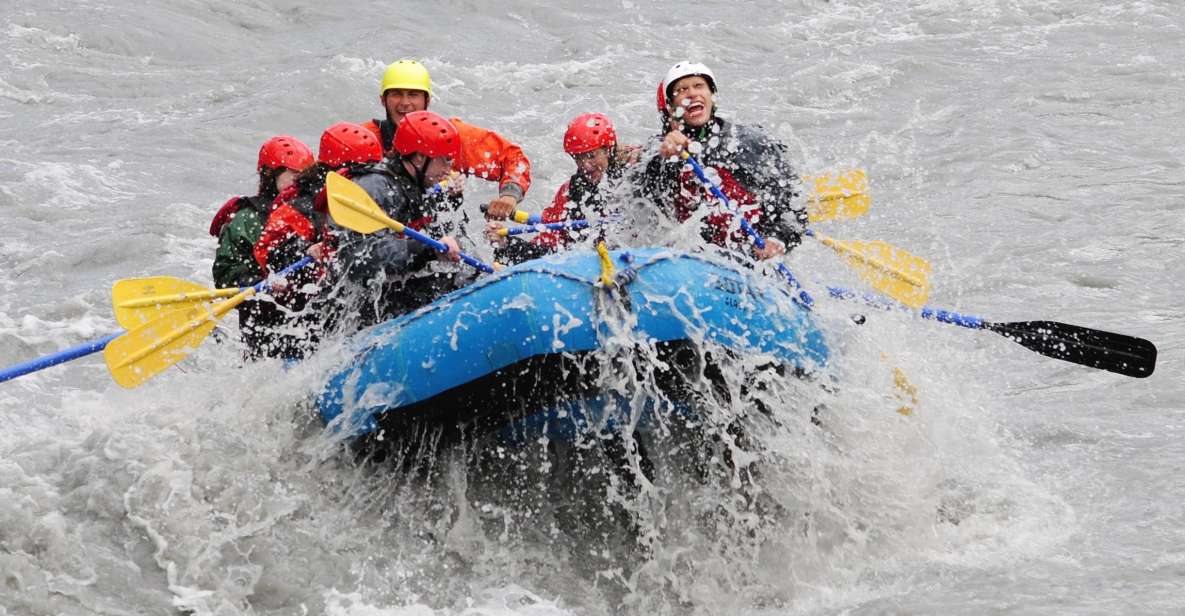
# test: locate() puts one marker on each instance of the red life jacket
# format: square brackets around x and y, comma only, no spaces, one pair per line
[296,215]
[225,214]
[694,195]
[556,212]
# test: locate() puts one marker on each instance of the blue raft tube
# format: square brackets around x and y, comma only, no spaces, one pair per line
[517,353]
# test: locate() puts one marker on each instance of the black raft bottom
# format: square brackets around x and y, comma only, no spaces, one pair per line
[681,371]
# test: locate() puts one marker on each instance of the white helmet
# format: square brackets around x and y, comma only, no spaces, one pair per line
[687,69]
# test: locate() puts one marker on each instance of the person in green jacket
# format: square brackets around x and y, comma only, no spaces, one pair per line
[238,224]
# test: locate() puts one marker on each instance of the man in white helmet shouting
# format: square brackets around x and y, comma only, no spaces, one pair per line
[752,168]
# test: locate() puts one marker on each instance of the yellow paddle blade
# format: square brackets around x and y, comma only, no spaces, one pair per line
[352,208]
[907,392]
[147,350]
[137,301]
[839,196]
[892,271]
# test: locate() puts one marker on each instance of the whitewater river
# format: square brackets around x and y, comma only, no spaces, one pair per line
[1032,150]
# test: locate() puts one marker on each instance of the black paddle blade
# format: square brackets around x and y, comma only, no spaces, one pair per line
[1096,348]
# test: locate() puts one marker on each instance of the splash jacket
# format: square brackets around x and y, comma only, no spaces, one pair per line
[754,174]
[381,275]
[299,221]
[484,153]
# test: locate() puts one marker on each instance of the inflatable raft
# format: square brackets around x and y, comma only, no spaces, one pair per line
[520,348]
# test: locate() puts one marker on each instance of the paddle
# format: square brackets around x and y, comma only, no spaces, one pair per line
[132,311]
[904,277]
[146,350]
[890,270]
[137,301]
[554,226]
[1096,348]
[351,207]
[841,196]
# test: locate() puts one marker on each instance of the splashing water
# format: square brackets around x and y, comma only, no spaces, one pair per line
[1030,150]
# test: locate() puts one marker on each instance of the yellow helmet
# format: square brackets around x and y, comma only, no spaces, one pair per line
[408,75]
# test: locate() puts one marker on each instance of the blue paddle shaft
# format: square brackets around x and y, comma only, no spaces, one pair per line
[263,285]
[61,357]
[804,298]
[954,318]
[553,226]
[440,247]
[927,312]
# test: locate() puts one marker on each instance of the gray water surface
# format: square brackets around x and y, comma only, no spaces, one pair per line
[1031,150]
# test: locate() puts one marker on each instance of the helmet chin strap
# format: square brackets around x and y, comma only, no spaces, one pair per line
[420,170]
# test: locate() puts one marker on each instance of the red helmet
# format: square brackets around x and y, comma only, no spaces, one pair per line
[429,134]
[587,132]
[286,152]
[345,143]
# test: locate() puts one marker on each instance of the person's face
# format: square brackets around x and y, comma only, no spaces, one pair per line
[285,179]
[592,164]
[694,96]
[438,169]
[400,102]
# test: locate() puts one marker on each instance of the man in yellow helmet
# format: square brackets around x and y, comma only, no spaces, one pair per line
[406,87]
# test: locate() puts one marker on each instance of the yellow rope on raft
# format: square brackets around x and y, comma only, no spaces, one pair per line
[607,270]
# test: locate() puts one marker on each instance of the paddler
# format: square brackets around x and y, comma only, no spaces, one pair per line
[299,226]
[751,167]
[406,88]
[591,141]
[238,224]
[382,275]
